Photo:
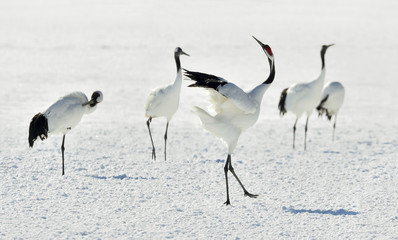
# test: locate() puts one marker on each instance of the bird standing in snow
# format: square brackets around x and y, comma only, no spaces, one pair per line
[235,110]
[332,99]
[62,116]
[303,97]
[163,101]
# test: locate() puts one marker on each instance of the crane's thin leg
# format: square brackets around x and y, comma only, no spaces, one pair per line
[226,178]
[150,134]
[230,168]
[294,133]
[63,150]
[334,126]
[165,140]
[305,134]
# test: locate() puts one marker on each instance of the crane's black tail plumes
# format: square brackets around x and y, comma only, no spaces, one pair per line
[38,128]
[322,110]
[282,100]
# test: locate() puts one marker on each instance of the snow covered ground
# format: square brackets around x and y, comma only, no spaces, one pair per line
[113,190]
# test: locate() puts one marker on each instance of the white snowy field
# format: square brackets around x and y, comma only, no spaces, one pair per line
[112,189]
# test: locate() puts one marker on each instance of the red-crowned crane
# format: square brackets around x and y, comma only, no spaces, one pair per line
[163,101]
[62,116]
[235,110]
[303,97]
[332,100]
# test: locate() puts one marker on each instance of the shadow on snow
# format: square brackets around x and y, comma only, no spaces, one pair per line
[121,177]
[317,211]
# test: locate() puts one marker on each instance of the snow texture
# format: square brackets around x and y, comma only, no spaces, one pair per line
[113,190]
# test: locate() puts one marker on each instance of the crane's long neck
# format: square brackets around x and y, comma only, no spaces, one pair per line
[178,81]
[271,76]
[318,83]
[323,58]
[177,58]
[258,92]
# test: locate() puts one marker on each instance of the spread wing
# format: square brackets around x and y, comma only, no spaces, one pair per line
[228,93]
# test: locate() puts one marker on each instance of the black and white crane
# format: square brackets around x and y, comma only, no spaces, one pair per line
[62,116]
[332,100]
[164,101]
[235,110]
[303,97]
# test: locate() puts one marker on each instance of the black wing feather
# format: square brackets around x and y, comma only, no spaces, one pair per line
[205,80]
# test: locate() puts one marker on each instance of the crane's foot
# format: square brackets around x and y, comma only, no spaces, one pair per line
[153,154]
[227,203]
[250,195]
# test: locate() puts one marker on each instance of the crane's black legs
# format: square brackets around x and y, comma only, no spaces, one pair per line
[334,126]
[150,134]
[63,150]
[226,178]
[294,133]
[148,123]
[305,134]
[228,166]
[165,140]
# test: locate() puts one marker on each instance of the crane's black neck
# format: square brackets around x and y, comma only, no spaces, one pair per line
[323,57]
[177,58]
[271,76]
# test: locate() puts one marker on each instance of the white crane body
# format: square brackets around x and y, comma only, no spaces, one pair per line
[235,110]
[302,98]
[334,92]
[163,101]
[331,101]
[58,121]
[62,116]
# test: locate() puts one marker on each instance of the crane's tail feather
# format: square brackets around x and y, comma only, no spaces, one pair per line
[209,122]
[322,110]
[282,102]
[38,128]
[203,115]
[228,133]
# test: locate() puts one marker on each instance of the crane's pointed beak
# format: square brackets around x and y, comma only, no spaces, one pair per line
[330,45]
[261,44]
[184,53]
[265,47]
